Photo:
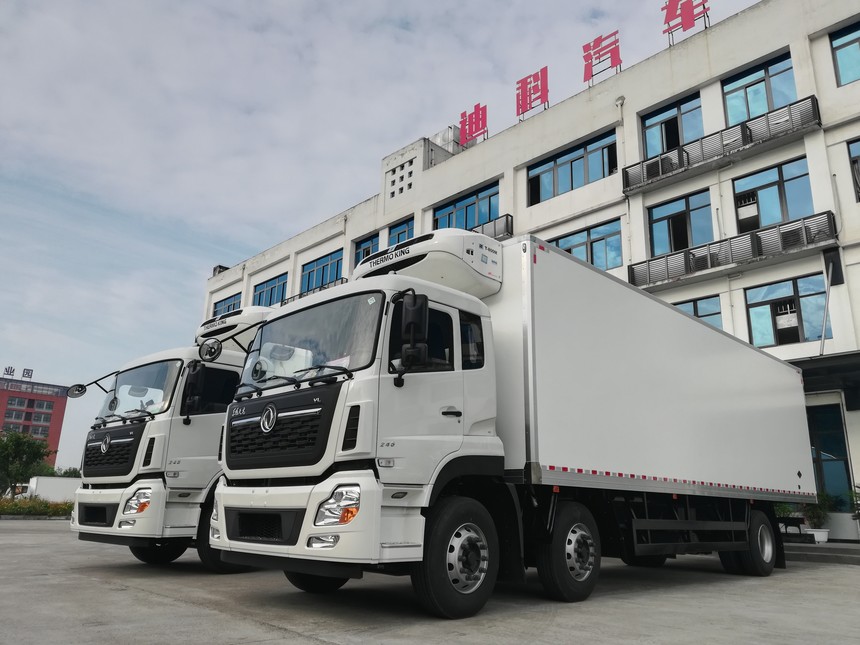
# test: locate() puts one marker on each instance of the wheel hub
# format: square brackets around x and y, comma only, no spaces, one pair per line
[467,558]
[579,552]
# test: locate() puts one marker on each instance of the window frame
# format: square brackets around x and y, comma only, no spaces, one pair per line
[456,212]
[271,292]
[395,232]
[676,111]
[687,212]
[228,304]
[328,268]
[850,30]
[780,184]
[796,297]
[854,165]
[366,247]
[590,241]
[562,164]
[750,74]
[705,317]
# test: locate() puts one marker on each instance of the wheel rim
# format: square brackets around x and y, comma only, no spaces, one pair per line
[765,543]
[467,558]
[579,552]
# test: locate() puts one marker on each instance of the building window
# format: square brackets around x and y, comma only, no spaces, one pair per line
[681,224]
[41,417]
[830,453]
[705,309]
[39,432]
[572,168]
[598,245]
[772,196]
[401,232]
[227,305]
[846,54]
[322,271]
[271,292]
[365,247]
[672,126]
[44,405]
[13,427]
[787,312]
[16,402]
[469,211]
[854,155]
[759,90]
[14,415]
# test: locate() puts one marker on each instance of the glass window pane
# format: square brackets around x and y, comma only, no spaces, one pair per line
[471,216]
[595,165]
[606,229]
[578,168]
[782,89]
[845,35]
[761,327]
[812,312]
[564,183]
[598,254]
[686,307]
[848,63]
[763,178]
[700,199]
[657,117]
[546,186]
[539,169]
[757,99]
[779,66]
[743,80]
[660,238]
[572,240]
[769,208]
[701,225]
[483,211]
[494,206]
[795,169]
[671,208]
[653,141]
[709,306]
[695,102]
[613,252]
[691,123]
[579,252]
[811,284]
[854,149]
[736,106]
[715,320]
[798,197]
[770,292]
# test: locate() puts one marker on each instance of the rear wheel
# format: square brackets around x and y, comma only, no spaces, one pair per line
[457,575]
[211,558]
[761,557]
[163,553]
[315,584]
[569,564]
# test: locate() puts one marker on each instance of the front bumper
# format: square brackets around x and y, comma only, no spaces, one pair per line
[277,523]
[98,514]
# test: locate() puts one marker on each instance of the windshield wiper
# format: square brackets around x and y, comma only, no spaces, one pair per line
[104,420]
[337,368]
[256,390]
[141,411]
[289,379]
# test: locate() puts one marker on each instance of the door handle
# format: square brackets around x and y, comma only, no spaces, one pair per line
[451,413]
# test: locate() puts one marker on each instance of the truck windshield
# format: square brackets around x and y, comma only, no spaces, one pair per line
[144,389]
[338,336]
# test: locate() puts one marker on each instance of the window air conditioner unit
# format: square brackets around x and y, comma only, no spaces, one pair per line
[652,170]
[747,205]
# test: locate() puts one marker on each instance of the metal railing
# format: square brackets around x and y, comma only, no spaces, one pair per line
[764,242]
[317,289]
[500,228]
[795,117]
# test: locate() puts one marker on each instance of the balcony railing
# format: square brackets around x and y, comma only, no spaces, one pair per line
[316,290]
[765,242]
[799,116]
[500,228]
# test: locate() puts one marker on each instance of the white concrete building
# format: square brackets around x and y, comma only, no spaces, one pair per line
[722,175]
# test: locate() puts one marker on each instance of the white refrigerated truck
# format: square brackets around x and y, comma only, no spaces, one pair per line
[150,460]
[466,409]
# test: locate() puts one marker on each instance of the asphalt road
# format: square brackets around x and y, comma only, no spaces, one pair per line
[57,589]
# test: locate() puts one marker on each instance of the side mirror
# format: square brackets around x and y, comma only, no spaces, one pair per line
[76,391]
[416,316]
[412,356]
[210,350]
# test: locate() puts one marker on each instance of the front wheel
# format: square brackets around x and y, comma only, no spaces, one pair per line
[569,563]
[210,557]
[315,584]
[163,553]
[761,558]
[461,559]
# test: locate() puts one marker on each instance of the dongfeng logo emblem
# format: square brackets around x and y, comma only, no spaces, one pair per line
[105,444]
[268,418]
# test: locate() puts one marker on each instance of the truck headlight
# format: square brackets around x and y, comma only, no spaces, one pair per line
[138,502]
[340,508]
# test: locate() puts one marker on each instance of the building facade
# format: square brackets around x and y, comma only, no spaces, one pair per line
[34,409]
[730,188]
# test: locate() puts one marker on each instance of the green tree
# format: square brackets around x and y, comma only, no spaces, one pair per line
[21,457]
[68,472]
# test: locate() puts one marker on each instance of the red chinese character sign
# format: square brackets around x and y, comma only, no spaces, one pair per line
[603,49]
[683,14]
[532,91]
[473,124]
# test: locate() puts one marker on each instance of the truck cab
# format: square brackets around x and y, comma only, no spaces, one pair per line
[150,459]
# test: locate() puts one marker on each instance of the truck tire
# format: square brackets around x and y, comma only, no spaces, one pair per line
[163,553]
[569,563]
[457,575]
[652,561]
[314,584]
[731,562]
[211,558]
[761,558]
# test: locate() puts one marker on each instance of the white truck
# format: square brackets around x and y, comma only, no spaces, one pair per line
[53,489]
[465,409]
[150,461]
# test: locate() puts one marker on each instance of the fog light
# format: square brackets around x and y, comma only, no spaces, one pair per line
[139,502]
[215,511]
[385,463]
[340,508]
[214,533]
[323,541]
[125,524]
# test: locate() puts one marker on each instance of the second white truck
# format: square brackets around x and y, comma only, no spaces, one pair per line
[150,460]
[466,409]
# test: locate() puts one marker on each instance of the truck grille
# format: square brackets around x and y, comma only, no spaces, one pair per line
[276,527]
[297,438]
[118,458]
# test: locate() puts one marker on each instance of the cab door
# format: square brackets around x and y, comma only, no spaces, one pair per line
[421,422]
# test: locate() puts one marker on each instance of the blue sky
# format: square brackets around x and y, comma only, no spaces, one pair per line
[143,143]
